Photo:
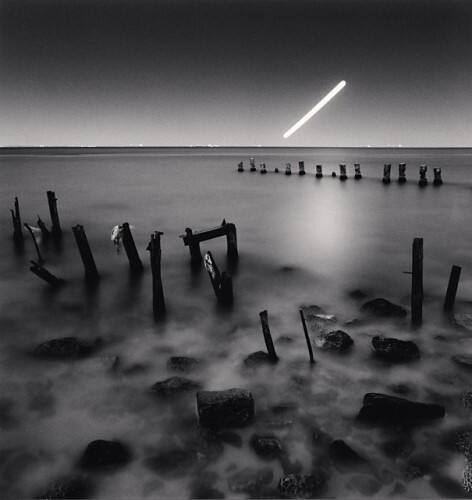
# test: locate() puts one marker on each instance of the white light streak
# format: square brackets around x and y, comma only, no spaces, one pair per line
[315,109]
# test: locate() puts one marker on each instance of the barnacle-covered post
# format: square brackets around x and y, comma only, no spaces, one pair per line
[44,230]
[222,283]
[402,173]
[342,172]
[263,168]
[135,263]
[16,221]
[423,180]
[319,171]
[386,173]
[240,166]
[437,176]
[33,237]
[357,171]
[288,169]
[301,168]
[267,336]
[91,273]
[56,226]
[158,302]
[252,163]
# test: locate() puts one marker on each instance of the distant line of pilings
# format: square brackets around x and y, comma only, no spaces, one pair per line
[343,175]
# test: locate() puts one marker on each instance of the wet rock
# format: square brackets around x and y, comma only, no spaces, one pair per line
[66,348]
[267,447]
[302,486]
[258,358]
[231,438]
[464,360]
[357,294]
[172,462]
[395,350]
[250,480]
[382,308]
[448,488]
[317,320]
[344,458]
[101,454]
[284,339]
[73,486]
[382,409]
[365,485]
[183,364]
[228,408]
[174,386]
[334,341]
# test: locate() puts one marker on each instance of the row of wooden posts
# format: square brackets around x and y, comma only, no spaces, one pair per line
[423,181]
[221,281]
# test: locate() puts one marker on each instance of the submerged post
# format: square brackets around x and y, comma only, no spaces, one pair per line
[319,171]
[423,180]
[158,302]
[307,337]
[56,227]
[252,163]
[452,288]
[437,176]
[222,283]
[288,169]
[386,174]
[135,263]
[240,166]
[33,237]
[16,221]
[342,172]
[301,168]
[91,273]
[44,230]
[267,336]
[402,173]
[44,274]
[263,168]
[357,171]
[417,282]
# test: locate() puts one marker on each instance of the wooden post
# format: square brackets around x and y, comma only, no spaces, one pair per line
[232,243]
[44,230]
[342,172]
[402,173]
[91,273]
[44,274]
[252,163]
[222,283]
[423,180]
[263,168]
[276,170]
[194,247]
[452,288]
[56,227]
[386,175]
[417,282]
[158,302]
[319,171]
[33,237]
[357,171]
[267,336]
[307,337]
[333,174]
[240,166]
[437,176]
[17,227]
[288,169]
[135,263]
[301,168]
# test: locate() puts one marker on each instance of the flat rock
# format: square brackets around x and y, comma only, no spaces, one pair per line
[344,457]
[72,486]
[228,408]
[174,386]
[382,409]
[395,350]
[464,360]
[66,348]
[102,454]
[184,364]
[383,308]
[302,486]
[250,480]
[266,446]
[336,340]
[257,358]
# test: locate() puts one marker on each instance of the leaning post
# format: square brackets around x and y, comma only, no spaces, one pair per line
[91,273]
[135,263]
[56,226]
[307,337]
[18,237]
[267,336]
[452,288]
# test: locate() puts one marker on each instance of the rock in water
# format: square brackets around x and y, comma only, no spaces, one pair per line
[183,364]
[229,408]
[74,486]
[394,349]
[66,348]
[267,447]
[301,486]
[258,358]
[344,457]
[382,409]
[174,386]
[334,341]
[102,454]
[383,308]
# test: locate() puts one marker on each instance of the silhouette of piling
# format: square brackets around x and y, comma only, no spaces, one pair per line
[33,237]
[240,166]
[263,168]
[222,283]
[158,301]
[402,173]
[386,173]
[276,170]
[56,230]
[252,163]
[301,168]
[288,169]
[135,263]
[45,275]
[437,176]
[342,172]
[91,273]
[333,174]
[357,171]
[452,288]
[18,237]
[44,230]
[267,336]
[423,181]
[417,282]
[319,171]
[307,337]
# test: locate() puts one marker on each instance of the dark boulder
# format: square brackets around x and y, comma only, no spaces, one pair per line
[229,408]
[101,454]
[302,486]
[66,348]
[250,481]
[73,486]
[383,308]
[334,341]
[395,350]
[258,358]
[267,447]
[382,409]
[174,386]
[183,364]
[344,458]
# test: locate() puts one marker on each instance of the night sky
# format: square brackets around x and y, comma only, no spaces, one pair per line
[235,72]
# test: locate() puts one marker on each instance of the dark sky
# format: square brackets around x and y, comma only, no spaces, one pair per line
[235,72]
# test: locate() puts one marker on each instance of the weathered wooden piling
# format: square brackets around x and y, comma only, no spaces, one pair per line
[452,288]
[263,168]
[276,170]
[44,274]
[33,237]
[221,282]
[301,168]
[333,174]
[45,233]
[16,221]
[342,172]
[437,176]
[417,282]
[240,166]
[357,171]
[288,169]
[135,263]
[267,336]
[386,173]
[402,173]
[56,230]
[252,163]
[158,302]
[423,180]
[319,171]
[91,273]
[307,337]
